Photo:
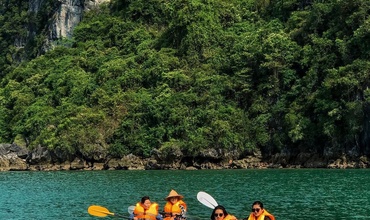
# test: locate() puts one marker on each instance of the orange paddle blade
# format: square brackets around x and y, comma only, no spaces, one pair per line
[99,211]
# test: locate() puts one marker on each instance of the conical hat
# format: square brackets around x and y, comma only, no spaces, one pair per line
[173,193]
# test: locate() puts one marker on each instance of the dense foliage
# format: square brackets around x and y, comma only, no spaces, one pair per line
[236,75]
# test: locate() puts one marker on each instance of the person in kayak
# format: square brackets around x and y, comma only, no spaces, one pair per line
[175,208]
[146,210]
[220,213]
[259,213]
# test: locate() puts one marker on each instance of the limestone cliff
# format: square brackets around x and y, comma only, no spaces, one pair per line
[64,16]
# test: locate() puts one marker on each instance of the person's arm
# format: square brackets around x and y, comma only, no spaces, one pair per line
[267,218]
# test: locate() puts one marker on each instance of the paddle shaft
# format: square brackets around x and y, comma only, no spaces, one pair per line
[121,216]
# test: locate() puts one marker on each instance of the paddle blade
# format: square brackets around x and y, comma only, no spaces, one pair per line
[207,200]
[98,211]
[131,209]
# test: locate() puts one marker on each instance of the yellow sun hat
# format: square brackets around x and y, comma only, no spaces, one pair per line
[173,193]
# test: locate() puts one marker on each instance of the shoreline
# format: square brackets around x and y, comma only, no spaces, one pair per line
[16,158]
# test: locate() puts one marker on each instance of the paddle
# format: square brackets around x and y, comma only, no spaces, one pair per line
[100,211]
[207,200]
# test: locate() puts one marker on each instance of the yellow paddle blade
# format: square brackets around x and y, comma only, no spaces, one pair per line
[99,211]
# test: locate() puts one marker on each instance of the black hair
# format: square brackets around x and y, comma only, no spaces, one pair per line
[258,203]
[144,199]
[218,207]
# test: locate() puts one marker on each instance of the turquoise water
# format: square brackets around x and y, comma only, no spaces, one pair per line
[290,194]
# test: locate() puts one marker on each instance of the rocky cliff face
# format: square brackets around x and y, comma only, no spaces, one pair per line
[17,158]
[68,15]
[64,17]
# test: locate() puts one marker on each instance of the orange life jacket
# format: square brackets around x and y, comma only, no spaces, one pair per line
[149,214]
[173,209]
[230,217]
[262,216]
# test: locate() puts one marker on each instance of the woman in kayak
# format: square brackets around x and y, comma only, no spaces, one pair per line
[220,213]
[175,208]
[259,213]
[147,210]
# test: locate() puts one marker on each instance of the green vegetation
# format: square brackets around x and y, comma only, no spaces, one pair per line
[235,75]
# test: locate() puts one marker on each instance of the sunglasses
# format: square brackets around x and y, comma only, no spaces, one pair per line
[256,210]
[219,214]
